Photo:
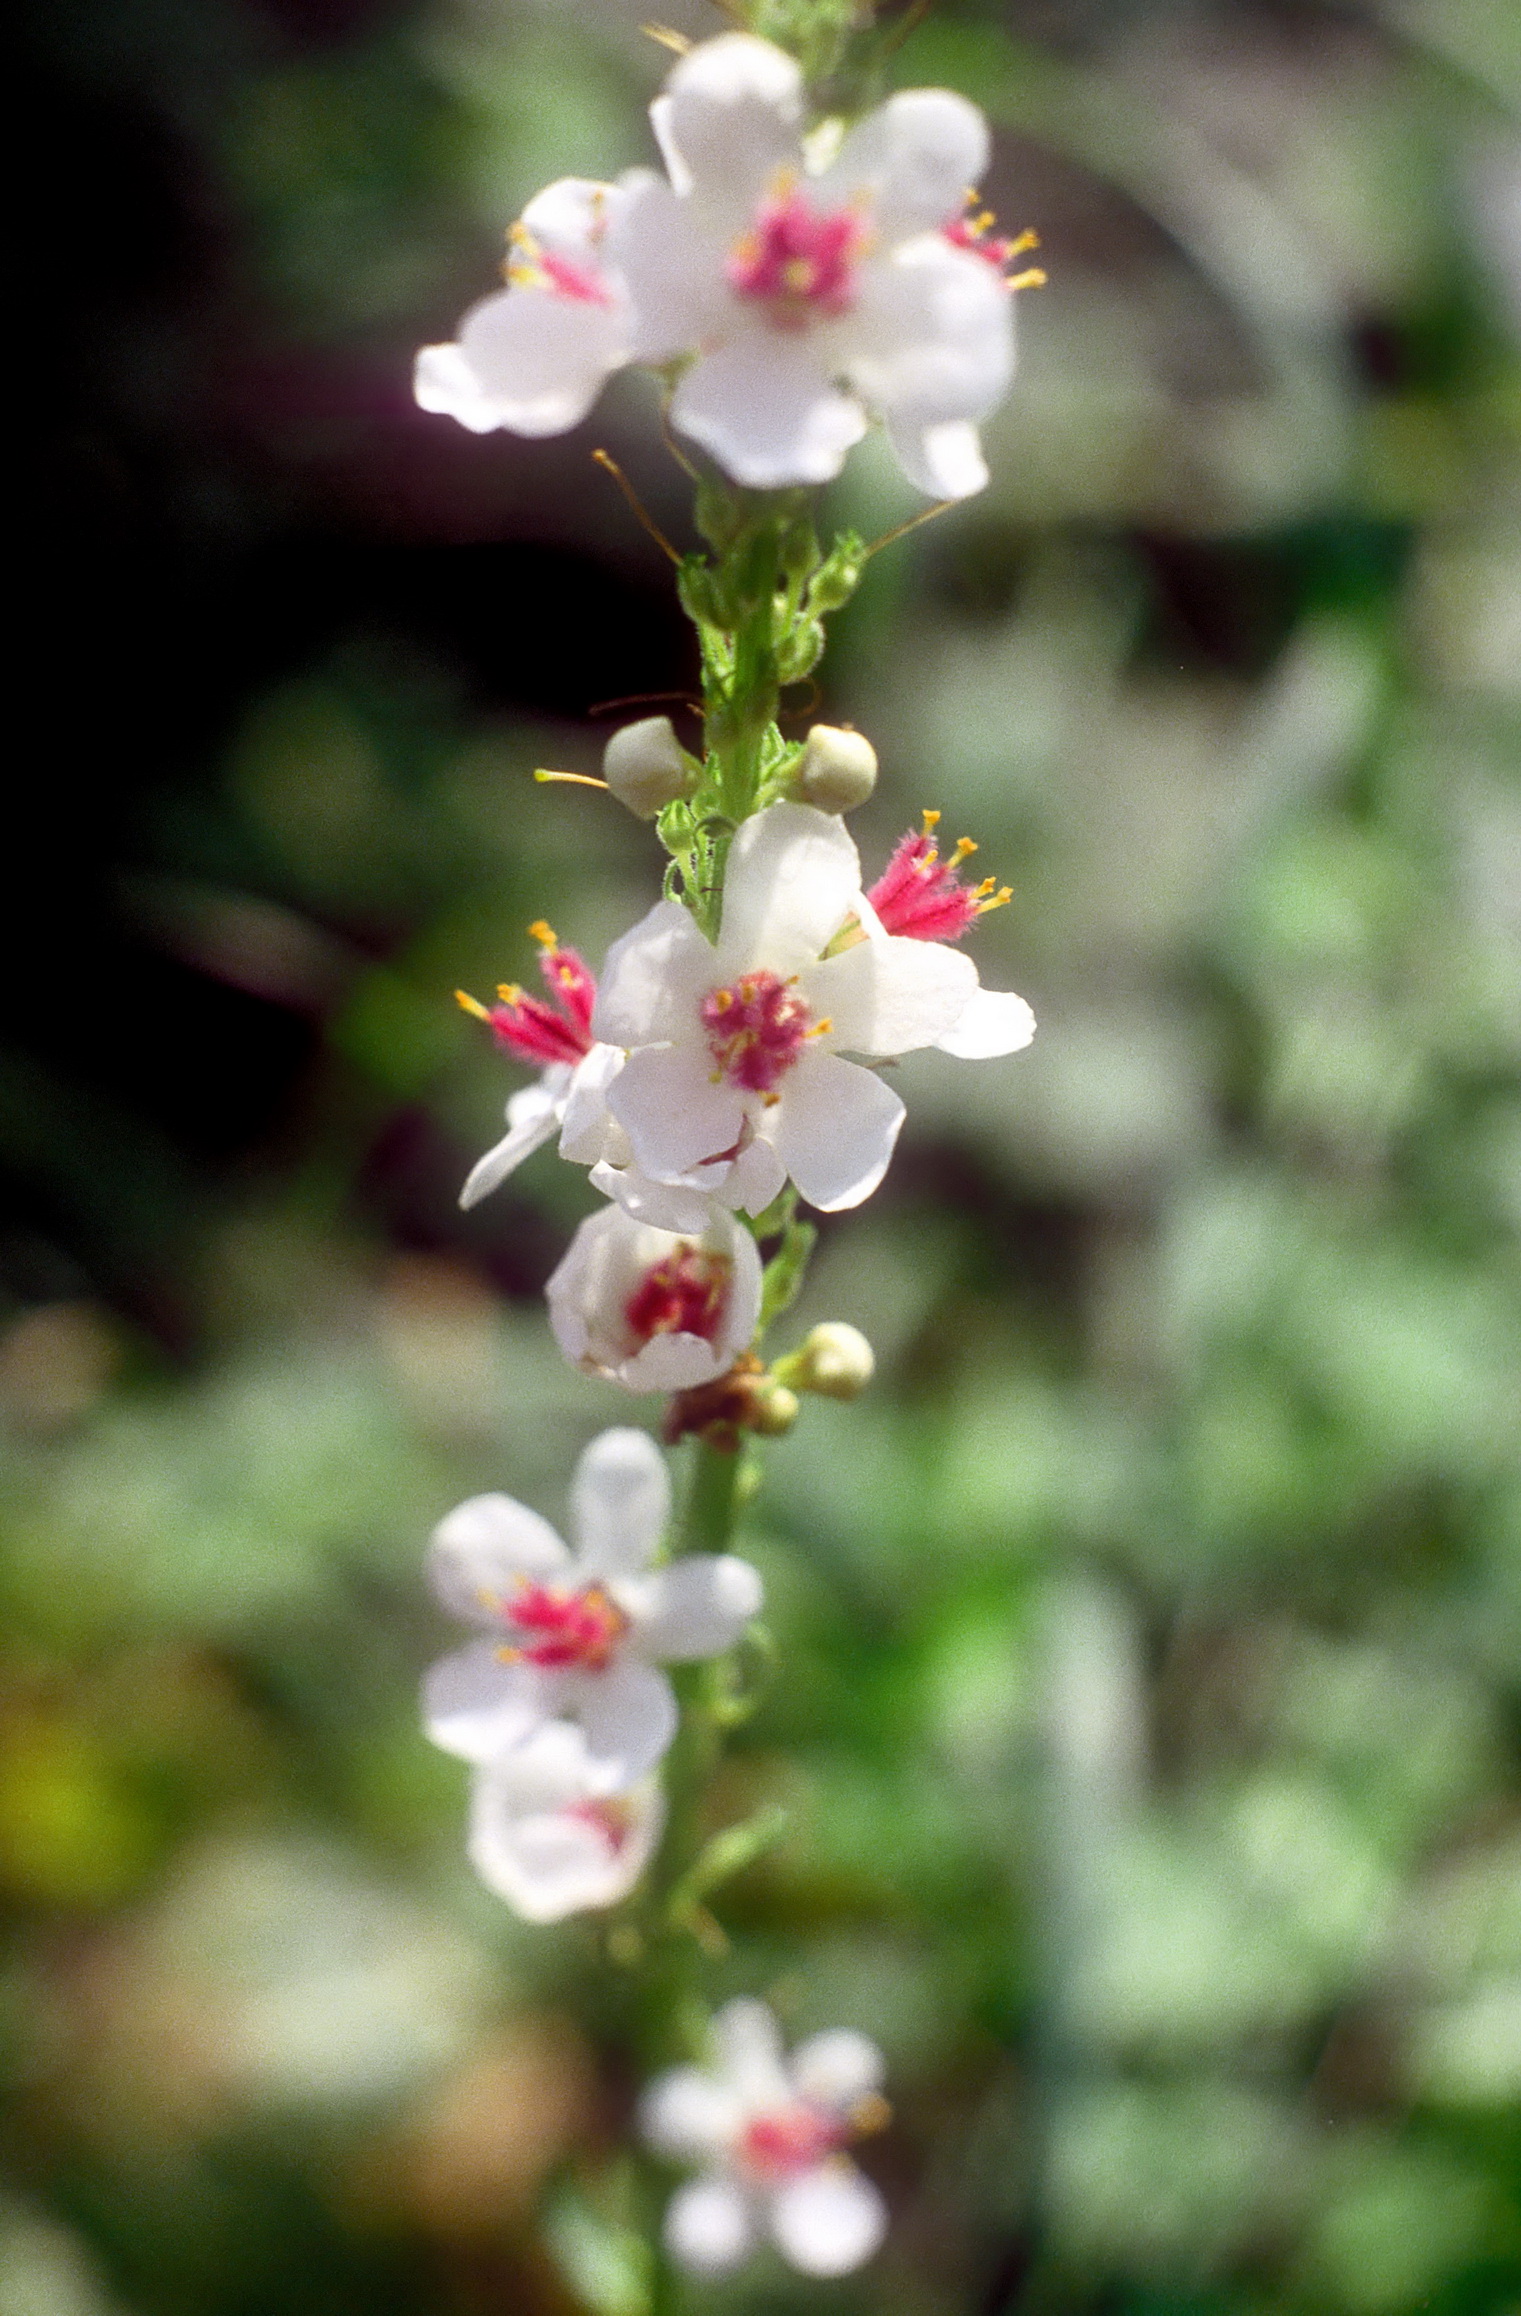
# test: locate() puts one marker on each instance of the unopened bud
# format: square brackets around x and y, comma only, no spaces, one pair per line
[836,1361]
[646,766]
[837,769]
[774,1410]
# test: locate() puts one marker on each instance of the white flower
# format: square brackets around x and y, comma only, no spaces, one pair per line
[572,1637]
[920,896]
[739,1044]
[652,1310]
[768,2133]
[570,1095]
[533,357]
[547,1835]
[812,296]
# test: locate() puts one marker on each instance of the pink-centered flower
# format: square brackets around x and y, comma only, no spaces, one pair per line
[921,896]
[653,1310]
[577,1637]
[800,294]
[547,1836]
[736,1048]
[533,357]
[769,2133]
[569,1096]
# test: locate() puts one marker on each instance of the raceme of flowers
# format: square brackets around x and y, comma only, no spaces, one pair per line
[791,285]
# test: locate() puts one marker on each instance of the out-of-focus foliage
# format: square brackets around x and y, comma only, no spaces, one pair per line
[1151,1635]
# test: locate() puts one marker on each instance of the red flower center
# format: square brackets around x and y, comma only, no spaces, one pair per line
[921,897]
[756,1029]
[613,1819]
[790,2140]
[797,261]
[526,1026]
[568,1628]
[683,1294]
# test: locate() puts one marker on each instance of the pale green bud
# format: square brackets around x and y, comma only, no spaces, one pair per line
[774,1409]
[837,769]
[646,766]
[835,1360]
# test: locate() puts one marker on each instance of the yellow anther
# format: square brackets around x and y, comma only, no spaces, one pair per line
[722,1000]
[1035,278]
[931,822]
[544,933]
[676,42]
[1029,239]
[998,900]
[820,1028]
[510,992]
[769,1101]
[870,2114]
[984,221]
[964,850]
[471,1005]
[519,235]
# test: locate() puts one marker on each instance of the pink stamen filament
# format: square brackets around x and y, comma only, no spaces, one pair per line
[683,1294]
[756,1030]
[792,2139]
[534,1031]
[797,261]
[921,897]
[581,1629]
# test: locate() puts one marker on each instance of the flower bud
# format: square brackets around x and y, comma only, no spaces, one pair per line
[837,769]
[646,766]
[836,1361]
[774,1410]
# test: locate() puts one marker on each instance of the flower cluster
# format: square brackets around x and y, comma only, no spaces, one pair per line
[560,1705]
[789,284]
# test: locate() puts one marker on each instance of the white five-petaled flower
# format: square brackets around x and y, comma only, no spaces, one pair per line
[652,1310]
[768,2132]
[534,356]
[572,1637]
[812,296]
[741,1042]
[569,1096]
[547,1835]
[803,293]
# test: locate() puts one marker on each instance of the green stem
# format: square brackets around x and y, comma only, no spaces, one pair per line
[713,1501]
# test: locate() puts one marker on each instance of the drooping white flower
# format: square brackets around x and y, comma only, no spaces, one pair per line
[769,2133]
[547,1835]
[577,1637]
[812,296]
[652,1310]
[575,1071]
[533,357]
[740,1044]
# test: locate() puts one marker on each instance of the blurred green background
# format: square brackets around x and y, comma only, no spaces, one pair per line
[1151,1636]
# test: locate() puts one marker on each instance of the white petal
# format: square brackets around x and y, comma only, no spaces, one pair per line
[793,877]
[674,1115]
[653,978]
[672,271]
[689,2115]
[529,360]
[837,2070]
[584,1133]
[664,1205]
[765,408]
[707,2225]
[671,1362]
[749,2050]
[914,159]
[573,217]
[836,1126]
[478,1707]
[532,1116]
[754,1179]
[548,1863]
[696,1607]
[732,111]
[829,2220]
[931,336]
[995,1022]
[480,1550]
[891,996]
[944,460]
[620,1502]
[665,137]
[628,1713]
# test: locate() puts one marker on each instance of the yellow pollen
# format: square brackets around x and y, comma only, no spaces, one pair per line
[769,1101]
[1029,239]
[510,992]
[1034,279]
[931,822]
[982,222]
[820,1028]
[998,900]
[471,1005]
[723,999]
[543,933]
[964,850]
[797,275]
